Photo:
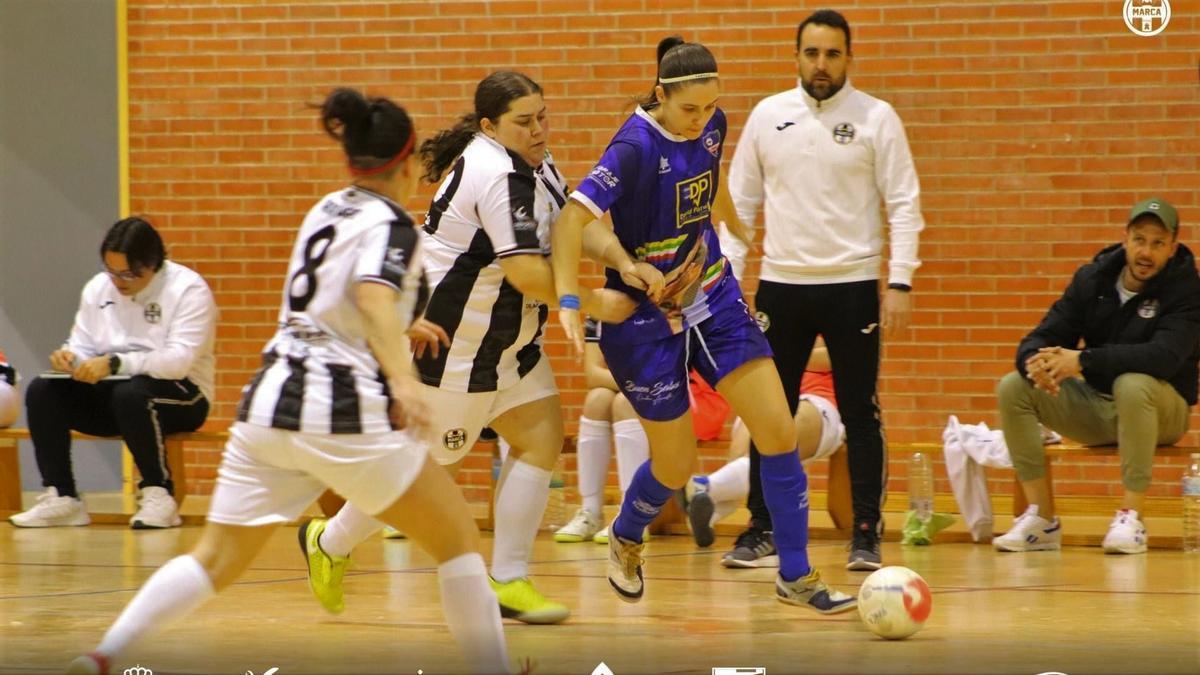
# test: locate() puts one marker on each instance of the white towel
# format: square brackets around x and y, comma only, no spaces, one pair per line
[968,448]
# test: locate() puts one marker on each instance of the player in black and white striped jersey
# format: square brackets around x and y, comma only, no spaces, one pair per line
[335,405]
[487,238]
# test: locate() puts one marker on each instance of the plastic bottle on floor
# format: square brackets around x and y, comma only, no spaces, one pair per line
[1191,506]
[920,485]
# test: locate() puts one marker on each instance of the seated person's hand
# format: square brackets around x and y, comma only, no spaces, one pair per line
[62,360]
[92,370]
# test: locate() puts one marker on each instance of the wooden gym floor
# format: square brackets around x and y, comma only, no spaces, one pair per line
[1077,611]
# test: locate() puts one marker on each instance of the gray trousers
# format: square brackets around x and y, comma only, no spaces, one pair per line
[1142,413]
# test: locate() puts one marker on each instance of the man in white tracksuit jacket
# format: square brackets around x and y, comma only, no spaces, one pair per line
[821,159]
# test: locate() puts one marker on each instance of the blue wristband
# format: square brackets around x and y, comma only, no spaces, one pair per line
[569,302]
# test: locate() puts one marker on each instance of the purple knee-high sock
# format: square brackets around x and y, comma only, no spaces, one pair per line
[785,489]
[643,501]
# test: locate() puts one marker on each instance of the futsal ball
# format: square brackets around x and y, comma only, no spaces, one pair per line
[894,602]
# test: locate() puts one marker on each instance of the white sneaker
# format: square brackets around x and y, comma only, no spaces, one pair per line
[1126,534]
[625,568]
[53,511]
[156,510]
[1031,532]
[583,526]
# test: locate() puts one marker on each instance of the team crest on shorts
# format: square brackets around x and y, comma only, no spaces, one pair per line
[763,321]
[454,439]
[1148,309]
[843,133]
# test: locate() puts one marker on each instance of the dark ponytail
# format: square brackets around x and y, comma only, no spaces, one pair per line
[493,97]
[678,58]
[376,133]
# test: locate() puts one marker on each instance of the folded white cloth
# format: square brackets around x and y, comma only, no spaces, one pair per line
[968,448]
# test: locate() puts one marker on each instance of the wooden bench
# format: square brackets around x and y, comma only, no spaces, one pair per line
[1076,450]
[10,469]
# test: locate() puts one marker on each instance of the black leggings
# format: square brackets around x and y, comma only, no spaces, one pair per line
[847,316]
[141,410]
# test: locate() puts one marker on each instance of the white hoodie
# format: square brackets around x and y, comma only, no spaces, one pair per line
[824,168]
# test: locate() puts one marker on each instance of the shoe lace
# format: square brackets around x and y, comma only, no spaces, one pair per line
[632,558]
[750,539]
[862,540]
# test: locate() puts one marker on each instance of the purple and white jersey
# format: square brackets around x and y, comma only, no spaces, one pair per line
[660,189]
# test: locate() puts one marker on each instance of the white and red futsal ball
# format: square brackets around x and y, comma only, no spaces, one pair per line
[894,602]
[10,404]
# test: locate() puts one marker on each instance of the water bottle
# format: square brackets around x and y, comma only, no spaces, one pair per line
[920,486]
[1191,506]
[555,515]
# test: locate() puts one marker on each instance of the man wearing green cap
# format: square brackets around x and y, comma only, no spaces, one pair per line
[1113,361]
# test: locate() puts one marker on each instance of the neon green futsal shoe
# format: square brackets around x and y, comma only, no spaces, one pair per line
[325,571]
[521,601]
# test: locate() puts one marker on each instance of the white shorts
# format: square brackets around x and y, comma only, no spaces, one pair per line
[458,417]
[271,476]
[833,432]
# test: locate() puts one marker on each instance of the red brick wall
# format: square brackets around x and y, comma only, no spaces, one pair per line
[1034,126]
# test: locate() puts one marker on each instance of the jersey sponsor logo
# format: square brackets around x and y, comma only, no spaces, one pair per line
[783,126]
[336,210]
[395,261]
[604,177]
[663,165]
[1147,17]
[107,303]
[454,439]
[693,199]
[152,313]
[843,133]
[1148,309]
[712,142]
[522,220]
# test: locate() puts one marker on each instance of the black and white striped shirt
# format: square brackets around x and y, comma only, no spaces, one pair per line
[492,204]
[318,373]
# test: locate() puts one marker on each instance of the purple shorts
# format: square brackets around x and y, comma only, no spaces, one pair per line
[651,365]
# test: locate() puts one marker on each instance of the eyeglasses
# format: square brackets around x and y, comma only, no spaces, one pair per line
[127,275]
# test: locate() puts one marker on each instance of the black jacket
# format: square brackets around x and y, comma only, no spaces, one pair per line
[1157,332]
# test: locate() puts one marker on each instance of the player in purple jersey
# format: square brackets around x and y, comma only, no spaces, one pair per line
[660,179]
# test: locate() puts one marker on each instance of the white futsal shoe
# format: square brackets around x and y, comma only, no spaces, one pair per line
[1031,532]
[52,510]
[156,510]
[1126,534]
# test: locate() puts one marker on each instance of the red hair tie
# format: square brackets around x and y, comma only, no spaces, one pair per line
[391,163]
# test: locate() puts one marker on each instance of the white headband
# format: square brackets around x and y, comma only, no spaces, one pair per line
[685,78]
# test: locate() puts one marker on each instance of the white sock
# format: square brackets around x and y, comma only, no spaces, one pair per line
[721,511]
[730,483]
[348,528]
[520,502]
[503,448]
[633,449]
[473,614]
[171,593]
[592,451]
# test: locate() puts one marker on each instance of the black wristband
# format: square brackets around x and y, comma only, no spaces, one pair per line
[900,287]
[114,364]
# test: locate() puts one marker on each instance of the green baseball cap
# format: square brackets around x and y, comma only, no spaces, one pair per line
[1161,209]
